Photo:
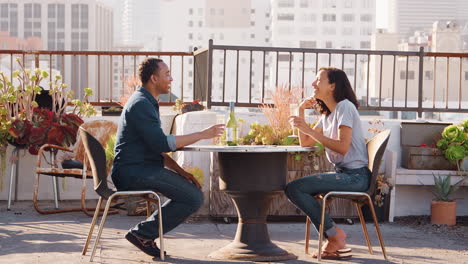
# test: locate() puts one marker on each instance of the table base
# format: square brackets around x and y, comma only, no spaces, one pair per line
[254,247]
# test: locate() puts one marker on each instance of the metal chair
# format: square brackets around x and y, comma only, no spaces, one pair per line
[97,159]
[375,148]
[102,129]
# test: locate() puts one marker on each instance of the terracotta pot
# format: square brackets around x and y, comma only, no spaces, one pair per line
[443,213]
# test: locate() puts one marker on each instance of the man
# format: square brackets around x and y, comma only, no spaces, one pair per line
[140,158]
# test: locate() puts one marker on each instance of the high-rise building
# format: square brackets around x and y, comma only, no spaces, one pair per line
[407,16]
[75,25]
[185,25]
[327,24]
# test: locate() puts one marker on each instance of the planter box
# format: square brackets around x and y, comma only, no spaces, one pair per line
[413,156]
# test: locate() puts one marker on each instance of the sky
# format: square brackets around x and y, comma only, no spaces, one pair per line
[382,15]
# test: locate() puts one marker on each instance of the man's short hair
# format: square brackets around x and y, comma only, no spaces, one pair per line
[148,67]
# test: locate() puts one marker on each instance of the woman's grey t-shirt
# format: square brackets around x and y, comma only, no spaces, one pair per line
[345,114]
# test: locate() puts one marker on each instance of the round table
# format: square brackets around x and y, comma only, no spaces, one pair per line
[252,176]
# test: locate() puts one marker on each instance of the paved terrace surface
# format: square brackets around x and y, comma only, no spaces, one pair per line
[28,237]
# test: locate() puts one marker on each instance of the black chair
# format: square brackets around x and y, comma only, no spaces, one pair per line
[375,148]
[97,159]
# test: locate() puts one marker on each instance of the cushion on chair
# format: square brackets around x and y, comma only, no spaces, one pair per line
[72,164]
[75,173]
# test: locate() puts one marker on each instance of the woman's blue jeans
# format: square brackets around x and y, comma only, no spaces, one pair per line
[185,197]
[301,191]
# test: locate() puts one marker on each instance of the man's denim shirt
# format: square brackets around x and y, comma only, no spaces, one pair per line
[140,138]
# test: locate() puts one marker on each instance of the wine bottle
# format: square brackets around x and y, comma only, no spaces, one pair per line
[231,127]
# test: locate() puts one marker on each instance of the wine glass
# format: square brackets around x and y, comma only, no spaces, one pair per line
[221,140]
[294,111]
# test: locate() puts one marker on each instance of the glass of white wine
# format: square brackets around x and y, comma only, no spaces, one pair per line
[294,111]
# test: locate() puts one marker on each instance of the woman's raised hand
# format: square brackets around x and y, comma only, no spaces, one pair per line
[308,102]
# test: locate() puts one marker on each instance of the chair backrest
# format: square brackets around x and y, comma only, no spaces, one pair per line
[375,150]
[97,160]
[101,130]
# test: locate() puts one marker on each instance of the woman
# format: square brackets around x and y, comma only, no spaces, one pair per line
[339,131]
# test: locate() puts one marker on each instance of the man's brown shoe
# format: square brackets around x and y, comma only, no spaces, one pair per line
[147,246]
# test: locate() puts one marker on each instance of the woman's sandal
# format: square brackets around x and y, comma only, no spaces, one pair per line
[338,252]
[334,255]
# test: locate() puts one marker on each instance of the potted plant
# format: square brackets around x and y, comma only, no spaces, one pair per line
[23,123]
[454,145]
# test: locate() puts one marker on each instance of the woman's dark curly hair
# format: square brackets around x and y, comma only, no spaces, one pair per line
[147,68]
[343,89]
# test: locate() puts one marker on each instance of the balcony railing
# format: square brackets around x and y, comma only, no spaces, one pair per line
[414,81]
[105,72]
[383,80]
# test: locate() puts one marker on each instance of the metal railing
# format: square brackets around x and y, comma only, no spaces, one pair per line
[106,72]
[413,81]
[382,80]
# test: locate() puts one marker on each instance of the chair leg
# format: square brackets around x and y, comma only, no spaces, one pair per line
[161,231]
[307,235]
[364,227]
[377,228]
[91,229]
[36,205]
[322,222]
[101,227]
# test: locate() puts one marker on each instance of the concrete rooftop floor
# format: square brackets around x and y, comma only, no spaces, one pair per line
[28,237]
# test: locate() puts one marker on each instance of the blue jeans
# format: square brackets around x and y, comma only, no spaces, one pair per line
[301,191]
[185,198]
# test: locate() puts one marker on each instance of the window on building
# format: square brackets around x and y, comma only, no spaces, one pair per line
[190,23]
[27,10]
[286,16]
[61,16]
[190,36]
[365,45]
[367,3]
[190,11]
[285,57]
[308,44]
[4,26]
[267,40]
[348,17]
[37,10]
[4,10]
[329,4]
[428,75]
[267,15]
[410,75]
[304,3]
[84,16]
[252,36]
[252,23]
[366,17]
[200,23]
[466,76]
[328,17]
[221,12]
[366,31]
[252,11]
[285,3]
[51,10]
[200,11]
[307,17]
[328,45]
